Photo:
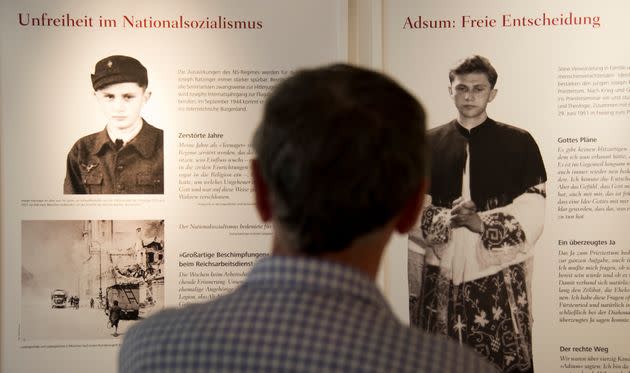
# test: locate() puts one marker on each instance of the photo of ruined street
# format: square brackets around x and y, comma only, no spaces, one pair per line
[89,279]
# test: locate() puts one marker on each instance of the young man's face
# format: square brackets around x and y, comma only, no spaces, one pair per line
[122,103]
[471,94]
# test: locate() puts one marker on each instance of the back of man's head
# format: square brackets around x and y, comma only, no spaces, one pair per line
[341,151]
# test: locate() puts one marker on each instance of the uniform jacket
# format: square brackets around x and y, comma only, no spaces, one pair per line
[96,166]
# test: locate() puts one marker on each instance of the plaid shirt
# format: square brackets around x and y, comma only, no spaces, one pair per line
[292,315]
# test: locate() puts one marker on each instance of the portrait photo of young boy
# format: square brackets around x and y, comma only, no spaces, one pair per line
[127,156]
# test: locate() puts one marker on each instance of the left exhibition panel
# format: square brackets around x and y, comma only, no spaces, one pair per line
[125,133]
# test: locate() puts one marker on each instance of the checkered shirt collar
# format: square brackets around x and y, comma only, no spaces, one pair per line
[283,272]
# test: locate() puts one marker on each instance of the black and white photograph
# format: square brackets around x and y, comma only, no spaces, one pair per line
[471,254]
[89,279]
[127,156]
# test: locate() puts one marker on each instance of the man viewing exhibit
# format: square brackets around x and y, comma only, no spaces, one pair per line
[484,213]
[339,168]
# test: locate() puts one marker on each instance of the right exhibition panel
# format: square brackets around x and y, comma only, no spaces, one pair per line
[522,249]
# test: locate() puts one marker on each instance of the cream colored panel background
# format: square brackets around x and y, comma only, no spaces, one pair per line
[47,104]
[528,61]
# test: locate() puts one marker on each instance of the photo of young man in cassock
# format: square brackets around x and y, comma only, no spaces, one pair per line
[483,214]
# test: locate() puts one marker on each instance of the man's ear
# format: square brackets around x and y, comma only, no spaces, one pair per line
[493,94]
[409,215]
[147,95]
[261,192]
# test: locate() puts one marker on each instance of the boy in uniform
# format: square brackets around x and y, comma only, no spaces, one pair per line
[127,156]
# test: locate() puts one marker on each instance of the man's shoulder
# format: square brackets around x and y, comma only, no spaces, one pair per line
[232,326]
[402,348]
[501,127]
[91,142]
[152,129]
[173,333]
[289,317]
[509,129]
[151,133]
[91,138]
[441,129]
[177,320]
[512,137]
[149,139]
[169,316]
[444,135]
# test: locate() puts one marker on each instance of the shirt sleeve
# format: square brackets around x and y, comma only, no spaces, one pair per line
[72,183]
[432,231]
[514,228]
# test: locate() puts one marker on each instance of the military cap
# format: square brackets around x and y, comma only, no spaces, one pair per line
[118,69]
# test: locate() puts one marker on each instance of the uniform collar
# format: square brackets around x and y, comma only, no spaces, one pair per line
[475,130]
[310,274]
[125,137]
[144,142]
